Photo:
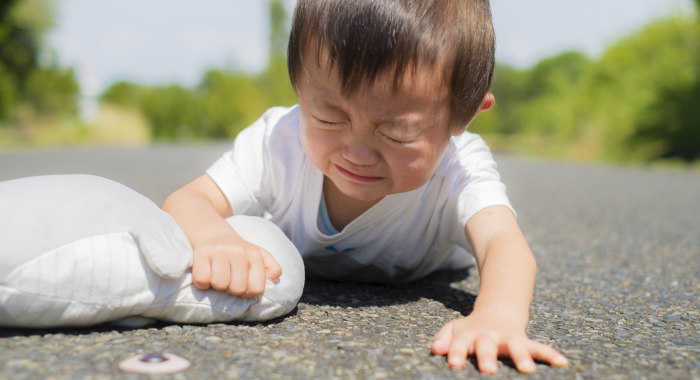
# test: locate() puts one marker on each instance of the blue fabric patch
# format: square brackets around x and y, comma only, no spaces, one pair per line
[334,249]
[325,219]
[327,227]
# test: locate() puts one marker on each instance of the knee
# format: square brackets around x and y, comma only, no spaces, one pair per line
[281,296]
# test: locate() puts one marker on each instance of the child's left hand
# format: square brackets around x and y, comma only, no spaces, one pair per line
[487,337]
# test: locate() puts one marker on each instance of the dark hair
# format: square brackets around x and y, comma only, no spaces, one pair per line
[368,38]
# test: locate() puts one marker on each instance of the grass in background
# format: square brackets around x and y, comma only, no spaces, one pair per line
[113,126]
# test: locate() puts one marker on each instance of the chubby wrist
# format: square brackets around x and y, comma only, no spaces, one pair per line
[515,315]
[221,236]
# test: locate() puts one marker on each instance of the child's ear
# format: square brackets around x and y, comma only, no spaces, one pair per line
[488,102]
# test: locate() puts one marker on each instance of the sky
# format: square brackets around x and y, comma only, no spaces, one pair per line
[160,42]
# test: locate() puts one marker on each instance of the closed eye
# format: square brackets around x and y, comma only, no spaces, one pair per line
[392,140]
[326,122]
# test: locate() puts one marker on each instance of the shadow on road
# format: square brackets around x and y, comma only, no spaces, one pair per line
[438,287]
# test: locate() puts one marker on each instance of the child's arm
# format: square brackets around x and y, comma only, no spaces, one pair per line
[222,259]
[496,326]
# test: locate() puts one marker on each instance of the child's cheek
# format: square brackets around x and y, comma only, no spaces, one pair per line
[313,146]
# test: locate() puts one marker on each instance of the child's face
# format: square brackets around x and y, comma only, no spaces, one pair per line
[377,141]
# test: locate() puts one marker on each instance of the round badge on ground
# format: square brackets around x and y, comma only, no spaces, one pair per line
[155,362]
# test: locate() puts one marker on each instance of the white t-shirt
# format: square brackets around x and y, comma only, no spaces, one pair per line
[401,238]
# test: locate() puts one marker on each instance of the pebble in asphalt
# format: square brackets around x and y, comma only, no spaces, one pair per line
[617,292]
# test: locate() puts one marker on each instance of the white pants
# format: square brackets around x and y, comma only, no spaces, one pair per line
[78,250]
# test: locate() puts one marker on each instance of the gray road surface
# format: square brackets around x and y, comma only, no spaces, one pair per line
[617,292]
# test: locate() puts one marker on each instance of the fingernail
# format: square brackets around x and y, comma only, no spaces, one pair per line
[489,367]
[527,367]
[456,366]
[560,361]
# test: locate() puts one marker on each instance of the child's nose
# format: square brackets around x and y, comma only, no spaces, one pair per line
[360,152]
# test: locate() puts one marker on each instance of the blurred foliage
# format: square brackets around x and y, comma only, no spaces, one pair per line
[224,102]
[657,121]
[636,103]
[29,88]
[52,90]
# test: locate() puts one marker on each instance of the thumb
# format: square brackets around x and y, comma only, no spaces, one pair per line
[273,270]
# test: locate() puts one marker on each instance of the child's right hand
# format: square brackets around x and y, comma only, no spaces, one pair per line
[232,264]
[222,259]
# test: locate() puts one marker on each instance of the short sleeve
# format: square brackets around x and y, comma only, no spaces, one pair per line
[240,173]
[479,181]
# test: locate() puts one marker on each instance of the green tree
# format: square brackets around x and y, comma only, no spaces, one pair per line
[45,88]
[672,124]
[551,91]
[172,112]
[224,102]
[279,33]
[637,102]
[507,87]
[230,102]
[20,34]
[52,90]
[125,94]
[8,89]
[633,86]
[274,80]
[538,101]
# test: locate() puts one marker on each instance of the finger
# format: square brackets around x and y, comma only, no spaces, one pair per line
[486,352]
[544,353]
[238,271]
[201,272]
[441,340]
[220,273]
[273,270]
[460,347]
[256,276]
[520,355]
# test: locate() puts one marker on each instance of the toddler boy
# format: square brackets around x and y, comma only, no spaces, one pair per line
[372,176]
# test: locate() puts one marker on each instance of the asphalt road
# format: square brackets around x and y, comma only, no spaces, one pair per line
[617,292]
